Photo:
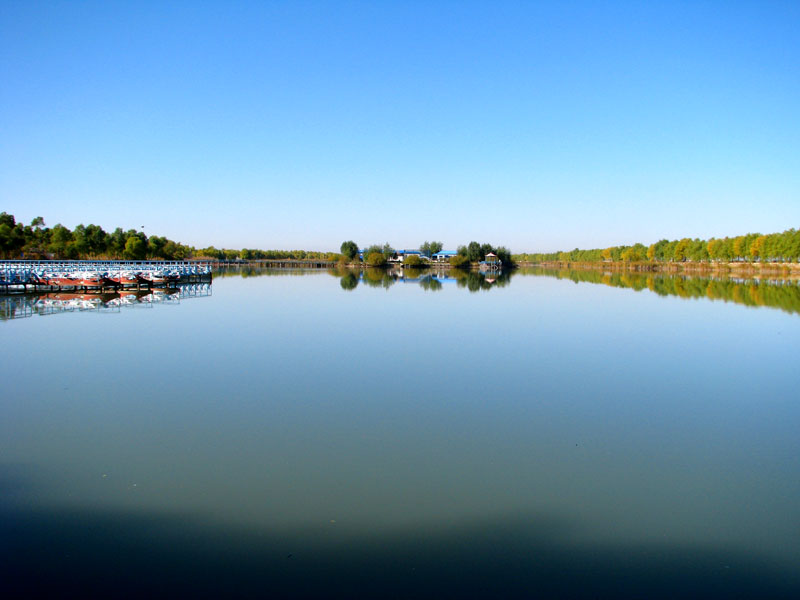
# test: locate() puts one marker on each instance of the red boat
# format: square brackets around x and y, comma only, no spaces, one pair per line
[127,278]
[59,280]
[91,280]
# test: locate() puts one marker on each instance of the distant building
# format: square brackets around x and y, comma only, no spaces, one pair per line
[444,255]
[491,263]
[400,255]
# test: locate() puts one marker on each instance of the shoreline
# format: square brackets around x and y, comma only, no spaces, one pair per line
[744,269]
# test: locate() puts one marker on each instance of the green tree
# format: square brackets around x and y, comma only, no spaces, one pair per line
[474,253]
[681,251]
[96,240]
[349,249]
[155,246]
[757,247]
[60,237]
[79,241]
[135,248]
[430,248]
[635,253]
[374,248]
[504,254]
[413,260]
[459,261]
[376,259]
[7,219]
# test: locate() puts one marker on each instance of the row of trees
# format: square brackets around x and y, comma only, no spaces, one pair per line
[92,241]
[774,247]
[253,254]
[85,241]
[350,249]
[475,252]
[377,255]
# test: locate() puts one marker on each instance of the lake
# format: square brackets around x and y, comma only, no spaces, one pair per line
[313,433]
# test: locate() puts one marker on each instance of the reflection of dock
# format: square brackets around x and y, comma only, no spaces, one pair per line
[19,306]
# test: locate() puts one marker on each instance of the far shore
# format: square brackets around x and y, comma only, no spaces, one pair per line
[736,269]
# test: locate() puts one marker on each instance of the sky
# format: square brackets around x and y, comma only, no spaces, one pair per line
[540,126]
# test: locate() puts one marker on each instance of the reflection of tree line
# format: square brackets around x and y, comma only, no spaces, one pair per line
[261,272]
[782,294]
[349,279]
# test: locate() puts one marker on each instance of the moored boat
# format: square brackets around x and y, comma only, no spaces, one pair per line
[93,280]
[126,278]
[155,277]
[57,279]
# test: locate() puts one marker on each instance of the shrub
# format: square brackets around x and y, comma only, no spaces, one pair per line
[459,261]
[376,259]
[413,260]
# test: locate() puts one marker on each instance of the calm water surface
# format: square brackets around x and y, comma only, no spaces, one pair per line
[311,434]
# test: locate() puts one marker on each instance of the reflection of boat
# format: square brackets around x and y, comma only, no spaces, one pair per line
[77,299]
[74,301]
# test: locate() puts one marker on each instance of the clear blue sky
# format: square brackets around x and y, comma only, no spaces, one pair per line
[541,126]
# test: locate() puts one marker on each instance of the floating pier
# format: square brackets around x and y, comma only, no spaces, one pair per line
[97,275]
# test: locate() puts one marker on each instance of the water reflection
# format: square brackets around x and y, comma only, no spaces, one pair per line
[49,303]
[780,293]
[509,556]
[783,294]
[430,280]
[245,271]
[287,439]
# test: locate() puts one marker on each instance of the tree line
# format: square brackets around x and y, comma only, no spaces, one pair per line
[377,255]
[37,241]
[753,247]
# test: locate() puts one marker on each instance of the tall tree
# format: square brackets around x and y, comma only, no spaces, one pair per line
[349,249]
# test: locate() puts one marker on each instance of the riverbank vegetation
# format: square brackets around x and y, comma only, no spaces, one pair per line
[751,247]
